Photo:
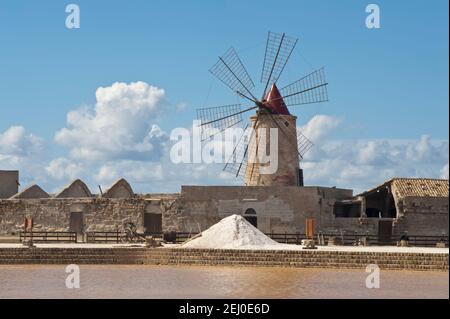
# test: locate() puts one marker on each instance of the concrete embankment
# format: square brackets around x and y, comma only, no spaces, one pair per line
[214,257]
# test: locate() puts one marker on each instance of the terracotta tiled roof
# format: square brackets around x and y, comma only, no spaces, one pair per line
[415,187]
[420,187]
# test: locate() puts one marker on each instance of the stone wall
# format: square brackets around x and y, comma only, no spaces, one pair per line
[278,209]
[222,257]
[53,214]
[423,215]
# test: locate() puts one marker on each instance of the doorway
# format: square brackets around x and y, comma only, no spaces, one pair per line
[250,216]
[152,223]
[76,222]
[384,231]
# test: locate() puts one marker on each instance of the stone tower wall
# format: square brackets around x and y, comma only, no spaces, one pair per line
[287,172]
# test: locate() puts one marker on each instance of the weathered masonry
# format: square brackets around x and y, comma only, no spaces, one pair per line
[76,209]
[418,206]
[227,257]
[271,208]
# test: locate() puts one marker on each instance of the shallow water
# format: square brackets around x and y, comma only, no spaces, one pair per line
[216,282]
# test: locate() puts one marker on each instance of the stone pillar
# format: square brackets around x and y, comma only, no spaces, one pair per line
[287,172]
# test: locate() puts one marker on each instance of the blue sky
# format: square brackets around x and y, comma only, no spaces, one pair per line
[388,84]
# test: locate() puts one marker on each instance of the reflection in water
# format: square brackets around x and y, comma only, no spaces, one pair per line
[216,282]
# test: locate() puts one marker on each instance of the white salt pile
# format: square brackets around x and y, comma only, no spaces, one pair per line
[233,232]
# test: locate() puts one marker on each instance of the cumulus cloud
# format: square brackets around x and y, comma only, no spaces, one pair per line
[362,164]
[63,168]
[23,151]
[163,176]
[118,137]
[16,142]
[319,126]
[121,125]
[136,171]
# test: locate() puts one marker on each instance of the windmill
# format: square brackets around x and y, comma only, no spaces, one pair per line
[271,113]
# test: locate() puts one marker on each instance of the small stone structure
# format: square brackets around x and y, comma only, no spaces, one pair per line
[33,191]
[9,183]
[418,206]
[75,189]
[120,189]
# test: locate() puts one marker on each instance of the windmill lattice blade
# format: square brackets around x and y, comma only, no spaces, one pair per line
[278,50]
[252,155]
[312,88]
[303,144]
[237,164]
[230,70]
[246,148]
[214,120]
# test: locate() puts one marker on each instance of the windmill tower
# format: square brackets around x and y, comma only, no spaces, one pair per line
[249,159]
[287,172]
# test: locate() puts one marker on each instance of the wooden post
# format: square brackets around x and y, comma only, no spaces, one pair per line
[309,228]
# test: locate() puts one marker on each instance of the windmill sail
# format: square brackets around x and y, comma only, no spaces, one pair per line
[215,120]
[278,50]
[303,144]
[237,163]
[311,88]
[242,163]
[230,70]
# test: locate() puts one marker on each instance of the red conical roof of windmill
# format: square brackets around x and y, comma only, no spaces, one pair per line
[275,102]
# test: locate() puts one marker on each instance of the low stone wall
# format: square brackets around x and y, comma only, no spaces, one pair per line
[219,257]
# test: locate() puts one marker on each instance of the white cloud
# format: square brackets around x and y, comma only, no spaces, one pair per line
[120,126]
[374,153]
[362,164]
[63,168]
[16,142]
[23,151]
[319,126]
[135,171]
